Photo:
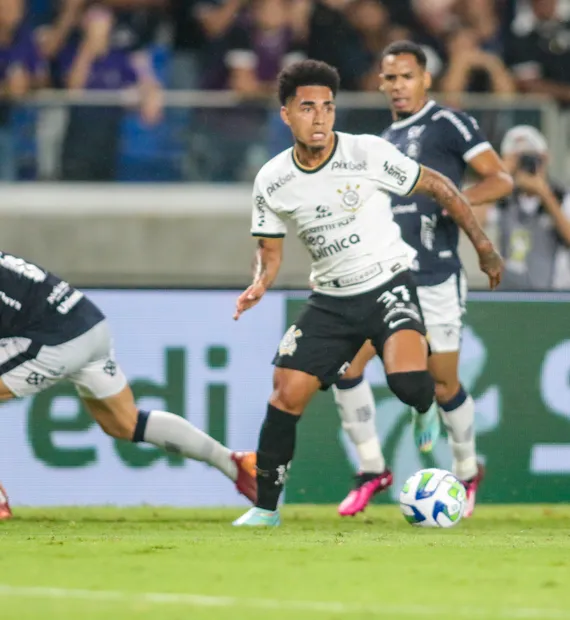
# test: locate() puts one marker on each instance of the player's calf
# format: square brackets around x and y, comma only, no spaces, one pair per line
[416,388]
[274,455]
[458,415]
[119,417]
[357,409]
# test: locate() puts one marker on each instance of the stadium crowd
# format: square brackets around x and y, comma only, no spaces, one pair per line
[475,46]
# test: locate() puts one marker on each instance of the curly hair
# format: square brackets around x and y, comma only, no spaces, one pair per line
[306,73]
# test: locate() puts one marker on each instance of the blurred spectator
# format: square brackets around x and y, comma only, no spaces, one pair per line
[91,140]
[435,20]
[136,23]
[333,39]
[401,14]
[257,48]
[534,222]
[540,59]
[371,20]
[20,70]
[472,69]
[482,17]
[198,23]
[53,36]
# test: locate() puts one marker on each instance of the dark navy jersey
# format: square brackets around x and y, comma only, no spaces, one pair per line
[38,305]
[446,141]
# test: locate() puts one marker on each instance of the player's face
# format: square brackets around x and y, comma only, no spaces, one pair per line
[311,116]
[405,84]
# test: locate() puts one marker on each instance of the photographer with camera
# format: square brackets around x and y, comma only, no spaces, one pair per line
[534,221]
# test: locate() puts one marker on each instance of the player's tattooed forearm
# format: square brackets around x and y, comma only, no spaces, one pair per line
[450,199]
[259,263]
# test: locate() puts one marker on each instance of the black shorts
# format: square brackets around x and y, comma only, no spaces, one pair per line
[330,331]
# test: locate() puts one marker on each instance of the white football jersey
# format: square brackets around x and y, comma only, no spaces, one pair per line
[341,210]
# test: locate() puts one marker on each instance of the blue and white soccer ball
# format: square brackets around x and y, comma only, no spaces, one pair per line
[433,498]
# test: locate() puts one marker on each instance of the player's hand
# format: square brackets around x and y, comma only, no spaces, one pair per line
[249,298]
[491,263]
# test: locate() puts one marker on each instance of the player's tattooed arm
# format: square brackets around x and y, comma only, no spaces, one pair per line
[265,269]
[267,260]
[456,204]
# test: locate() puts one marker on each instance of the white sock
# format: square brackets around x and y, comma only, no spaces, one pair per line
[357,410]
[175,434]
[460,425]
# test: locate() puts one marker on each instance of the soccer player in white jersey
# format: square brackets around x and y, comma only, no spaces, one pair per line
[447,141]
[52,332]
[334,187]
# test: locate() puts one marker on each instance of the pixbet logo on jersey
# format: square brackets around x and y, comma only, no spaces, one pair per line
[319,247]
[359,166]
[395,172]
[280,182]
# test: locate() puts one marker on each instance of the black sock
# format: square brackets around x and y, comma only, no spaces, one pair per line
[274,453]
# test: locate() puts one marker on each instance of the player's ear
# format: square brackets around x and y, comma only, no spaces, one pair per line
[428,80]
[381,82]
[285,116]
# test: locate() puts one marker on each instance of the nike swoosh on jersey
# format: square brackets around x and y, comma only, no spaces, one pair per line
[393,324]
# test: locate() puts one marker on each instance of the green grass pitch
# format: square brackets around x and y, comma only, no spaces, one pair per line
[167,564]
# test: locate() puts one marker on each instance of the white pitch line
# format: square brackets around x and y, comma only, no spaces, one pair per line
[330,607]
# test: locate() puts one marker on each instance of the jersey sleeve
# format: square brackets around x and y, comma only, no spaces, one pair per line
[265,222]
[391,169]
[462,134]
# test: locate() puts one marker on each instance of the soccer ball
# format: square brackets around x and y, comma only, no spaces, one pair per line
[433,498]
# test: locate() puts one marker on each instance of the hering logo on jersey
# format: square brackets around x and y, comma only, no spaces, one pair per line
[396,173]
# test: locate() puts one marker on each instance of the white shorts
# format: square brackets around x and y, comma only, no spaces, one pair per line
[88,361]
[443,306]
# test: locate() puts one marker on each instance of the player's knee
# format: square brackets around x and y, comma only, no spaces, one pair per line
[286,399]
[414,388]
[292,390]
[446,390]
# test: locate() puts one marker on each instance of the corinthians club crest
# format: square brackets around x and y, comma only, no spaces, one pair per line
[288,344]
[351,200]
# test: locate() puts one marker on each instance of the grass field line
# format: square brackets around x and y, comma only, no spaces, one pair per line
[329,607]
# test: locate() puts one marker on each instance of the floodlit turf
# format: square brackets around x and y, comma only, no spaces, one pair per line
[507,562]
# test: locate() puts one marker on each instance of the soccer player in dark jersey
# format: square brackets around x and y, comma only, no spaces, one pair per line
[447,141]
[50,332]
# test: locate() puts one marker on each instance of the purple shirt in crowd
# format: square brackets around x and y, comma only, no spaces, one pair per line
[109,72]
[266,52]
[21,53]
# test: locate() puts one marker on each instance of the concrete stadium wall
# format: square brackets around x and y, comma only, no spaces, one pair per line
[144,235]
